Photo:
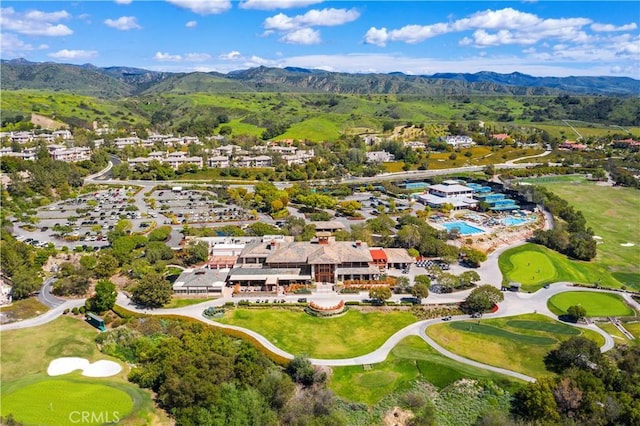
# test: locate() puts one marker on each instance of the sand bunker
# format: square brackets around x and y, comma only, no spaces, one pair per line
[66,365]
[627,245]
[597,237]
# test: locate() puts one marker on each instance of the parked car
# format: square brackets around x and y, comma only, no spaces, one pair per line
[302,300]
[476,315]
[447,318]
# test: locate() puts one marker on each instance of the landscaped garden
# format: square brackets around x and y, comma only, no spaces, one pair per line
[353,334]
[595,303]
[33,397]
[515,343]
[411,359]
[534,266]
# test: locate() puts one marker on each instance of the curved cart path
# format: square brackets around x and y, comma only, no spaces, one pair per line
[514,304]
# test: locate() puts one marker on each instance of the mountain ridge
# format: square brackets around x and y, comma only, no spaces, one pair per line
[122,81]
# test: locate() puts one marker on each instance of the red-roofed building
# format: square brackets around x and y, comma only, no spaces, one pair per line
[379,258]
[500,136]
[628,143]
[572,145]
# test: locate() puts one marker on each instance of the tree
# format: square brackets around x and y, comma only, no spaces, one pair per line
[576,312]
[483,298]
[301,371]
[25,281]
[380,293]
[578,351]
[420,290]
[106,266]
[473,257]
[401,284]
[197,253]
[152,291]
[105,296]
[536,402]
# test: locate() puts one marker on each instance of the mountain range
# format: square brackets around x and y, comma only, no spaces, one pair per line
[117,82]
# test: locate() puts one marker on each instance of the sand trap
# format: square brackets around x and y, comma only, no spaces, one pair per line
[597,237]
[66,365]
[627,245]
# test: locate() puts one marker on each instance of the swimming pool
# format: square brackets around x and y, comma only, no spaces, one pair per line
[513,221]
[463,228]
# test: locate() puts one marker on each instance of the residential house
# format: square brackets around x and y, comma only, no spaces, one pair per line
[458,141]
[379,157]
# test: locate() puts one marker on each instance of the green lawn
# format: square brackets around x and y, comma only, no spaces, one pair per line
[350,335]
[503,343]
[612,213]
[633,328]
[596,304]
[534,266]
[411,359]
[61,401]
[618,337]
[177,302]
[25,355]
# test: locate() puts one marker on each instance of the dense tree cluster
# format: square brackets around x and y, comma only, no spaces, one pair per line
[203,377]
[22,264]
[570,234]
[590,388]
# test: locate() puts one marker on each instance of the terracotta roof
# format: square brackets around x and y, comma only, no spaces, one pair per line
[378,254]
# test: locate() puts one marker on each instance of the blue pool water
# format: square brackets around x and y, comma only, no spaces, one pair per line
[513,221]
[463,227]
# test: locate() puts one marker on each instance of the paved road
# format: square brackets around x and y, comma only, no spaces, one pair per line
[44,318]
[46,297]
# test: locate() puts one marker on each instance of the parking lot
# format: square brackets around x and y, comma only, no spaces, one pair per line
[195,206]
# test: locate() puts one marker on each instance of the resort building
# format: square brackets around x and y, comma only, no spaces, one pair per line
[449,192]
[276,261]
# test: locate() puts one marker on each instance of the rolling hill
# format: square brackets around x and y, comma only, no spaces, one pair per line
[118,82]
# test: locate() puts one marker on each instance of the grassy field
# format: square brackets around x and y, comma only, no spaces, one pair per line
[350,335]
[612,213]
[25,356]
[596,304]
[177,302]
[23,309]
[634,328]
[411,359]
[534,266]
[618,337]
[58,401]
[504,343]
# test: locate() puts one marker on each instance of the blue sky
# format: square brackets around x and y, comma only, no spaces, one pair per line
[542,38]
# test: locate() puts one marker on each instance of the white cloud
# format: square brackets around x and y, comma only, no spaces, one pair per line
[203,7]
[37,15]
[10,44]
[191,24]
[123,1]
[305,36]
[377,36]
[233,55]
[187,57]
[276,4]
[34,22]
[324,17]
[73,54]
[123,23]
[612,28]
[166,57]
[492,28]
